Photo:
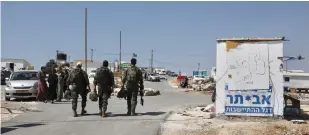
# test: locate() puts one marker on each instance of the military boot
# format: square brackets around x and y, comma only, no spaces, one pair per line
[129,113]
[83,112]
[103,114]
[74,113]
[100,111]
[133,113]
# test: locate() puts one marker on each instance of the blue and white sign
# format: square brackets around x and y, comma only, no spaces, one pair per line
[253,103]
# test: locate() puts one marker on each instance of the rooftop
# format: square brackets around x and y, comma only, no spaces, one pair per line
[14,60]
[251,39]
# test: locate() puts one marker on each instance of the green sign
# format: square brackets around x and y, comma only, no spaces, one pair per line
[125,65]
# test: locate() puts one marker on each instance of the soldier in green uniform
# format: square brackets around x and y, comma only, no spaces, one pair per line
[79,81]
[133,78]
[104,79]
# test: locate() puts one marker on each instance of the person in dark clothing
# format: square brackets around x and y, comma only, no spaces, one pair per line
[52,90]
[104,78]
[60,82]
[66,75]
[133,78]
[79,81]
[42,86]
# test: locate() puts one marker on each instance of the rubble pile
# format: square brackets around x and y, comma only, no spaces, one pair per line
[204,112]
[304,96]
[147,92]
[203,85]
[117,82]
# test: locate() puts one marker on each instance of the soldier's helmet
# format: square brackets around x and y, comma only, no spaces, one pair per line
[93,96]
[79,64]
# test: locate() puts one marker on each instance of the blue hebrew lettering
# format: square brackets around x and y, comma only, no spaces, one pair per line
[239,97]
[270,89]
[265,99]
[231,98]
[257,101]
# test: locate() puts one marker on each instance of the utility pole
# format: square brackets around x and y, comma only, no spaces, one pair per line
[57,52]
[120,53]
[198,68]
[91,54]
[86,40]
[151,64]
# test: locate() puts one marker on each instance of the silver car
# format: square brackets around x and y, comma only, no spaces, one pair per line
[21,85]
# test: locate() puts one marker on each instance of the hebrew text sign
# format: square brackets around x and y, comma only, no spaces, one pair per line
[250,102]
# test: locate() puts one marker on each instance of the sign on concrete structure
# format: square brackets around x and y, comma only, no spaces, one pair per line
[249,80]
[250,103]
[248,67]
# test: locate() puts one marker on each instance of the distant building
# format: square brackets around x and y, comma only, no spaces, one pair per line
[14,64]
[213,73]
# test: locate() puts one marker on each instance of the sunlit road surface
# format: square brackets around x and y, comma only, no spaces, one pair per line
[56,119]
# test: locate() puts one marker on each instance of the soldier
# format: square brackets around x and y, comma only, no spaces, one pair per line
[104,78]
[78,78]
[133,78]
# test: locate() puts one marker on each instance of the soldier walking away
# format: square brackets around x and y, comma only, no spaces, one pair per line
[78,78]
[133,78]
[104,79]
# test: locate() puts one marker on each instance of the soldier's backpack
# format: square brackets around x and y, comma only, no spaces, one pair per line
[77,76]
[132,75]
[104,77]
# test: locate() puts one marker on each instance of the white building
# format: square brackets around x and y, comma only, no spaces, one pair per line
[213,73]
[249,78]
[17,64]
[296,80]
[92,66]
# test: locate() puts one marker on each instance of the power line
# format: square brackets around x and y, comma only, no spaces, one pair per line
[180,54]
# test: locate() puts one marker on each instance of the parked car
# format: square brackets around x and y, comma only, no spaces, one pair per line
[163,77]
[21,85]
[153,78]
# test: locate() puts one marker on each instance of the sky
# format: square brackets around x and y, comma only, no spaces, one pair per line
[182,34]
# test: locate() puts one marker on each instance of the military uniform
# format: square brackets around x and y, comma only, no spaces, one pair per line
[78,78]
[104,78]
[133,78]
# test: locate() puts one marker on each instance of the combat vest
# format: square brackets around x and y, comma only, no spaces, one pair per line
[132,77]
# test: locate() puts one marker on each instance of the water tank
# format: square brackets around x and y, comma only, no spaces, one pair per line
[61,57]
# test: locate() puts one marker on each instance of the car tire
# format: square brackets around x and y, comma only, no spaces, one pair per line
[7,99]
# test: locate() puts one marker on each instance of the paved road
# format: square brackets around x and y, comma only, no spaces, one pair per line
[56,119]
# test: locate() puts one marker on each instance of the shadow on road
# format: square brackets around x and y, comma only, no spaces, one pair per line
[63,102]
[110,114]
[11,128]
[140,114]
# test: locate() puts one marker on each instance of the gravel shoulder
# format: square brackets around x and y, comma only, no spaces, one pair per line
[9,110]
[193,121]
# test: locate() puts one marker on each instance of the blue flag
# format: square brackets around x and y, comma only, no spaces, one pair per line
[134,55]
